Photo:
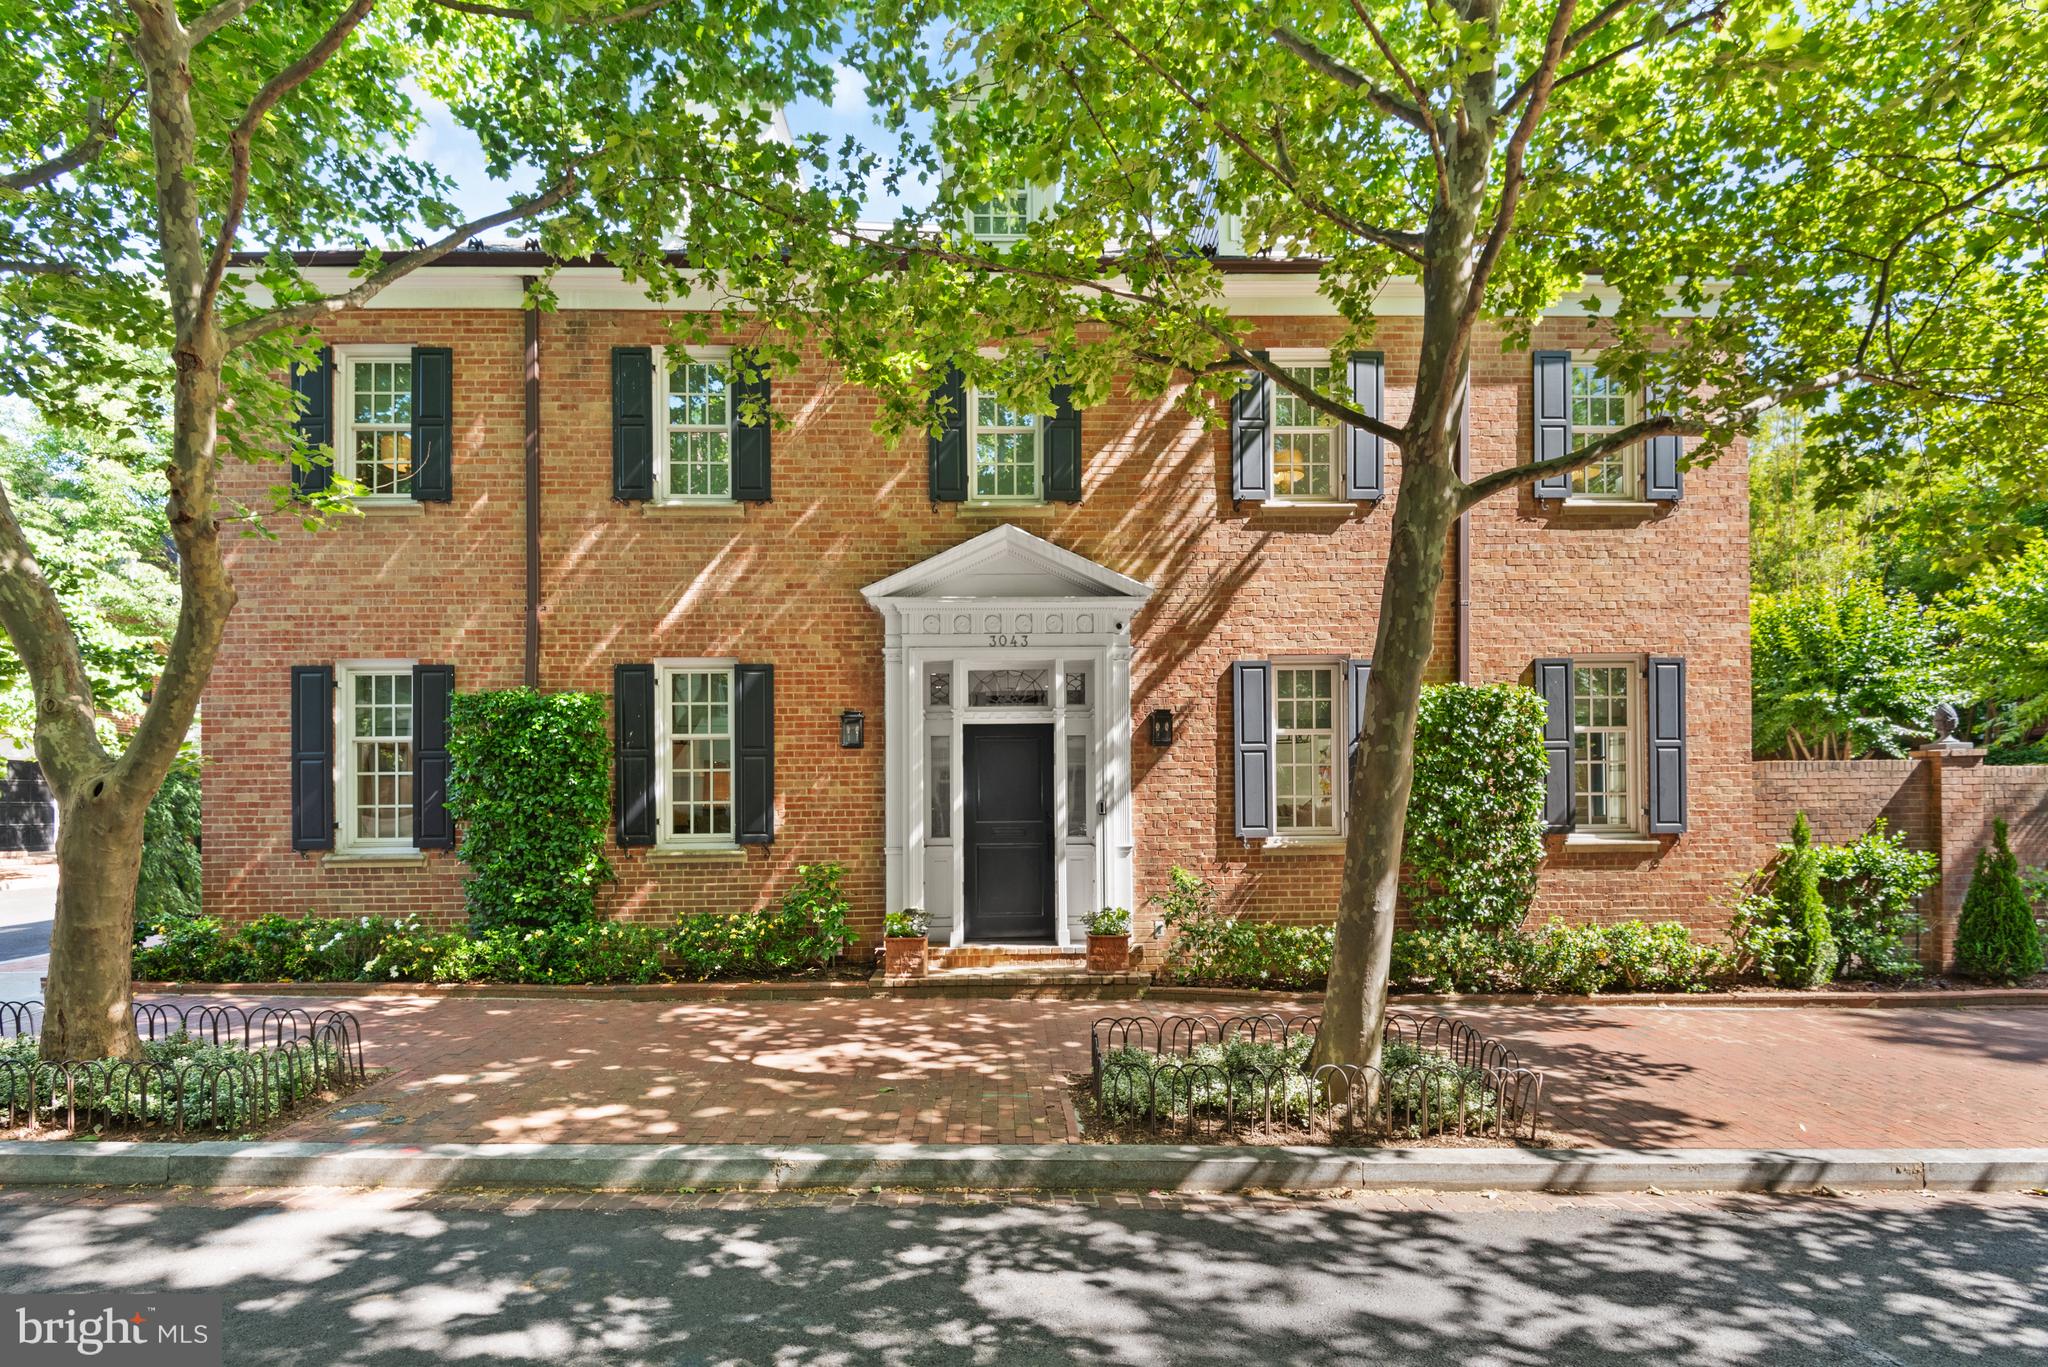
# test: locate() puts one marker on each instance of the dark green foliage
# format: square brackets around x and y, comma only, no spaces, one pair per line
[1210,948]
[1475,814]
[1809,954]
[1996,936]
[807,931]
[192,949]
[1871,887]
[2018,752]
[217,1091]
[167,885]
[531,787]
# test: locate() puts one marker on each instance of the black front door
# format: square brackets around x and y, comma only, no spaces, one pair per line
[1009,833]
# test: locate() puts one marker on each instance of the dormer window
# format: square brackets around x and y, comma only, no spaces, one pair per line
[1002,218]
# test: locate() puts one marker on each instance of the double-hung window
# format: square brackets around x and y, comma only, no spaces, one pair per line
[376,724]
[1008,455]
[374,447]
[1604,712]
[694,462]
[1601,405]
[1000,218]
[695,719]
[1305,749]
[1305,441]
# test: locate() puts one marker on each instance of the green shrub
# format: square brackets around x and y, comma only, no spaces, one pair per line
[1996,936]
[1475,813]
[1110,921]
[530,785]
[1633,956]
[1871,887]
[596,952]
[911,923]
[806,932]
[217,1089]
[1784,928]
[1218,950]
[167,885]
[191,949]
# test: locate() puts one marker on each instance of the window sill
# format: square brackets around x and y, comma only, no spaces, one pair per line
[372,858]
[389,505]
[997,506]
[1618,841]
[692,505]
[1315,505]
[711,852]
[1302,844]
[1608,505]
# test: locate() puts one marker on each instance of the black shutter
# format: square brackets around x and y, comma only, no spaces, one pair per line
[314,386]
[948,446]
[1665,690]
[312,757]
[1365,470]
[1251,712]
[633,753]
[433,424]
[1251,437]
[1552,680]
[753,785]
[1063,448]
[1553,406]
[433,690]
[632,422]
[750,441]
[1354,691]
[1662,480]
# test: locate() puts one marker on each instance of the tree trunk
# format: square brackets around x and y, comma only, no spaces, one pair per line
[88,1010]
[1356,1004]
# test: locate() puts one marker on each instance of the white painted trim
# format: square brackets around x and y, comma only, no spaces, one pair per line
[666,841]
[344,445]
[1638,749]
[348,846]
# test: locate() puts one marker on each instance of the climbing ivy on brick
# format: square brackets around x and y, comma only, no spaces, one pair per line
[530,790]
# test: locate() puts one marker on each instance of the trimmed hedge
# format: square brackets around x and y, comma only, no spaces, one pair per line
[1996,936]
[1475,814]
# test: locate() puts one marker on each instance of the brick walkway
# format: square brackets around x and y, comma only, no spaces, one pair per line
[994,1071]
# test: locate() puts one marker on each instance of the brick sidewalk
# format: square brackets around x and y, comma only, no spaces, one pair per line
[992,1071]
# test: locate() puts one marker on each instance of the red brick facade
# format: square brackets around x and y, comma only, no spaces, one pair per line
[779,583]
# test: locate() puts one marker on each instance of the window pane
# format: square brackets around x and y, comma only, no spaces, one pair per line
[1079,808]
[1304,441]
[1305,747]
[941,783]
[699,453]
[700,752]
[1601,747]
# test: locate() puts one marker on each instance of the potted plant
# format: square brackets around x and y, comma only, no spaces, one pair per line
[903,943]
[1109,940]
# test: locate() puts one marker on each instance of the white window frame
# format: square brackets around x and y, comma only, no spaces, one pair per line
[974,429]
[1631,456]
[345,358]
[664,360]
[1298,359]
[346,841]
[1634,754]
[665,836]
[1034,204]
[1339,671]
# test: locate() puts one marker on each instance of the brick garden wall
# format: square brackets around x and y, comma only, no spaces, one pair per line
[778,583]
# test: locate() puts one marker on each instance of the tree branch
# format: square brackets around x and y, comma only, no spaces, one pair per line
[299,314]
[1388,103]
[1717,13]
[1513,175]
[489,11]
[66,741]
[244,135]
[100,128]
[215,19]
[1480,489]
[37,268]
[1437,149]
[1572,39]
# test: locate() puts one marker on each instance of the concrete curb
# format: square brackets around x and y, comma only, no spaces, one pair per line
[1099,1167]
[855,989]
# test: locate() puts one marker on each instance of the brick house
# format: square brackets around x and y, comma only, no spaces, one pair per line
[1009,674]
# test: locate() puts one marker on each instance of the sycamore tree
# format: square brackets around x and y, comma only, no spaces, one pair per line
[159,162]
[1827,204]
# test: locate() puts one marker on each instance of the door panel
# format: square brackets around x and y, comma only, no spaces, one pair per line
[1009,776]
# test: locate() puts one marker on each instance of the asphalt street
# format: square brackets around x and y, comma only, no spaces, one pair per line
[27,908]
[369,1278]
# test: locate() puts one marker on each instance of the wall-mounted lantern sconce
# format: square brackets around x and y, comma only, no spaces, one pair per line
[852,730]
[1160,727]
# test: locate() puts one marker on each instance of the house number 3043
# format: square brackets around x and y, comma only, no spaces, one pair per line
[999,639]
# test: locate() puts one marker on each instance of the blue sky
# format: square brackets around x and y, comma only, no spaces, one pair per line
[455,150]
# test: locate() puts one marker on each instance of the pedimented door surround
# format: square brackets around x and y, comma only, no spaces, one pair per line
[1007,629]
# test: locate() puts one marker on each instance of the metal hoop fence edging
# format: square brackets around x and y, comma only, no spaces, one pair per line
[1449,1080]
[255,1062]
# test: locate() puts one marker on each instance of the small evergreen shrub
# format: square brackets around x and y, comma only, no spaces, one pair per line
[530,783]
[1785,930]
[1871,887]
[167,884]
[1996,936]
[1475,814]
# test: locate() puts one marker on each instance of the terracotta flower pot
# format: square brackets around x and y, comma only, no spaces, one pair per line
[1109,953]
[904,956]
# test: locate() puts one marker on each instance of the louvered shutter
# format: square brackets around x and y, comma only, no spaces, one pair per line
[1663,482]
[1552,680]
[633,802]
[314,386]
[1063,448]
[1359,674]
[1251,438]
[1553,407]
[1664,691]
[433,692]
[751,482]
[1365,468]
[312,747]
[947,451]
[753,786]
[632,422]
[433,424]
[1251,712]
